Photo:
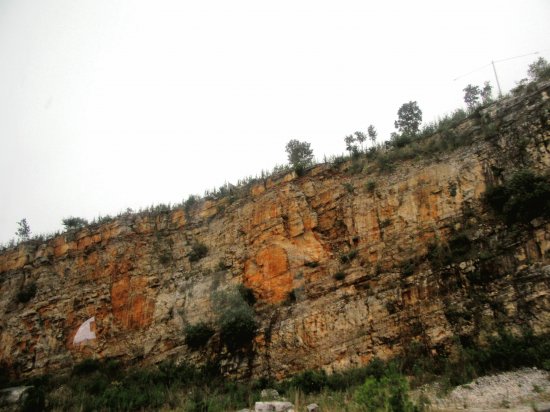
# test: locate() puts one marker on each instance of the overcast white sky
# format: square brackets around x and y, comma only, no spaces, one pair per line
[110,104]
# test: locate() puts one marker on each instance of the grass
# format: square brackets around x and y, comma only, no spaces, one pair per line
[107,385]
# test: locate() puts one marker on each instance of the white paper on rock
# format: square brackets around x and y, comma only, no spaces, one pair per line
[84,332]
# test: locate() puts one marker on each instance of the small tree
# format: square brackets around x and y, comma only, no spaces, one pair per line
[299,153]
[74,223]
[539,70]
[24,230]
[487,93]
[235,319]
[351,147]
[373,134]
[471,96]
[409,117]
[360,137]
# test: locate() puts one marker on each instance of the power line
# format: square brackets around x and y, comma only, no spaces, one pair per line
[473,71]
[497,61]
[516,57]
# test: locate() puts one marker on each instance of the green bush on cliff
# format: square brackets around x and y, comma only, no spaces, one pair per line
[198,335]
[236,320]
[521,198]
[198,251]
[26,293]
[74,222]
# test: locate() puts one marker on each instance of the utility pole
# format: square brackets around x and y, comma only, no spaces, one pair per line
[496,77]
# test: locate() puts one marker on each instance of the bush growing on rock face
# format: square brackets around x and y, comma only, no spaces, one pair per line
[247,294]
[198,335]
[27,292]
[521,198]
[198,251]
[236,320]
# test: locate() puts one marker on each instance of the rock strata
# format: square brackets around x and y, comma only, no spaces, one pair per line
[342,269]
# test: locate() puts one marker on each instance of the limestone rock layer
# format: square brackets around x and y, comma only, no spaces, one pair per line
[340,259]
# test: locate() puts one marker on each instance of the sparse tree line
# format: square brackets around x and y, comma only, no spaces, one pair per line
[300,153]
[409,119]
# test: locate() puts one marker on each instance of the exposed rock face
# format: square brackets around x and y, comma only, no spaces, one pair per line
[357,262]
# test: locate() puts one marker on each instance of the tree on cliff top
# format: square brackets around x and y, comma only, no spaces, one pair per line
[300,154]
[74,223]
[539,70]
[24,230]
[373,134]
[471,96]
[409,117]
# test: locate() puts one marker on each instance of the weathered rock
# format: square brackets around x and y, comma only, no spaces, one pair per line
[273,406]
[542,407]
[269,394]
[287,238]
[15,396]
[312,407]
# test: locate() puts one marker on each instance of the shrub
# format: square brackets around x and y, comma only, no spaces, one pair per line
[339,276]
[385,223]
[237,327]
[438,255]
[522,198]
[390,393]
[74,223]
[198,251]
[348,257]
[86,367]
[370,186]
[385,163]
[221,265]
[247,294]
[460,245]
[400,141]
[166,257]
[407,267]
[190,202]
[312,264]
[349,187]
[198,335]
[235,319]
[27,292]
[310,381]
[290,297]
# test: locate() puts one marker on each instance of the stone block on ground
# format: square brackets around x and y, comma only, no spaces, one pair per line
[313,407]
[273,406]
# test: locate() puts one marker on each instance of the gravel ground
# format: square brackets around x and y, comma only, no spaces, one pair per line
[519,390]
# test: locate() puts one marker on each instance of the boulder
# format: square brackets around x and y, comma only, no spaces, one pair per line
[18,397]
[269,394]
[273,406]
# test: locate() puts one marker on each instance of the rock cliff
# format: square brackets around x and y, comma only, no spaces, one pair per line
[347,262]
